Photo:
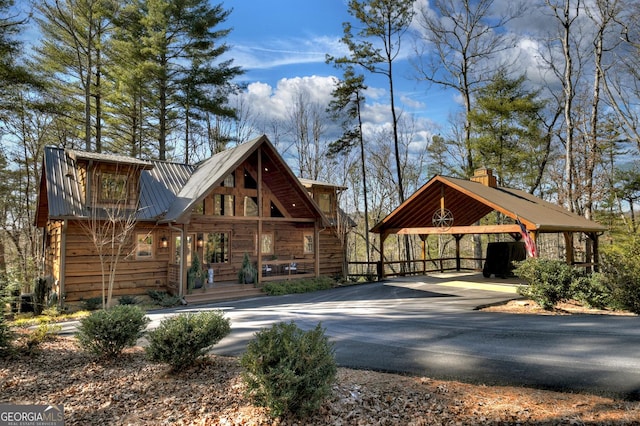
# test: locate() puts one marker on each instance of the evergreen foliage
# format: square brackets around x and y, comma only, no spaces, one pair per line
[506,128]
[549,281]
[289,370]
[305,285]
[6,335]
[163,298]
[107,333]
[621,268]
[182,339]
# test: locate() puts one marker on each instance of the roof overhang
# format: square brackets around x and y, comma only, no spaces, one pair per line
[468,202]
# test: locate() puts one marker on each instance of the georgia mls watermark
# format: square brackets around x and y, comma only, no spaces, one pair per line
[31,415]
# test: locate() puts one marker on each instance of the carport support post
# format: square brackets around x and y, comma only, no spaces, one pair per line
[592,251]
[383,236]
[423,238]
[568,243]
[458,237]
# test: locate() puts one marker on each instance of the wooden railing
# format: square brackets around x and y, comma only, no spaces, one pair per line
[173,278]
[375,270]
[285,269]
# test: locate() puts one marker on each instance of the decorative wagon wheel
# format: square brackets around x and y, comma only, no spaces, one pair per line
[442,218]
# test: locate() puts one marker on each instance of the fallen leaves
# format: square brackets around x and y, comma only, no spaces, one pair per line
[132,391]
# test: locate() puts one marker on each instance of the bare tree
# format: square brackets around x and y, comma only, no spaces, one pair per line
[307,127]
[111,223]
[385,22]
[565,13]
[458,47]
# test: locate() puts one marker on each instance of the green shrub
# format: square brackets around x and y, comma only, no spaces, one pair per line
[549,281]
[43,333]
[92,304]
[591,290]
[621,268]
[6,336]
[181,339]
[41,292]
[278,288]
[289,370]
[128,300]
[107,332]
[163,298]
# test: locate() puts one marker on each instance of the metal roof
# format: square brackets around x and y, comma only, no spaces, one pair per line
[169,191]
[276,175]
[61,195]
[108,158]
[310,183]
[160,186]
[470,201]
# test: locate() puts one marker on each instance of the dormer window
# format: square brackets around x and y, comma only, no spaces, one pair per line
[112,187]
[324,202]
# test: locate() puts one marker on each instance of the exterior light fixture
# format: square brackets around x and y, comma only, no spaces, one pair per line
[200,241]
[164,242]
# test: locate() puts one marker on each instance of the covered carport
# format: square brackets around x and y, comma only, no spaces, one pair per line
[453,206]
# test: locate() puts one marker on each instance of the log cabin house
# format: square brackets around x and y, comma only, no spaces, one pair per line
[244,201]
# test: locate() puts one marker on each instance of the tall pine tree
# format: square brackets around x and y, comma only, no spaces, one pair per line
[506,131]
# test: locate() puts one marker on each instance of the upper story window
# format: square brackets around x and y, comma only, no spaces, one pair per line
[223,205]
[112,187]
[251,206]
[249,181]
[229,181]
[324,202]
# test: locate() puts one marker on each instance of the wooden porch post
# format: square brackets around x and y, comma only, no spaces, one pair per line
[423,238]
[592,250]
[316,248]
[184,238]
[596,253]
[383,236]
[568,242]
[458,237]
[259,224]
[62,271]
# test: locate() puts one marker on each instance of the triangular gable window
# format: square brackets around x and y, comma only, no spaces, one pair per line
[275,212]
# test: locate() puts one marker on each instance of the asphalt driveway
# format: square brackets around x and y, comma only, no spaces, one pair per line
[428,326]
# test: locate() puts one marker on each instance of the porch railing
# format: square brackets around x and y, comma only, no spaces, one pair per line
[173,278]
[375,270]
[285,269]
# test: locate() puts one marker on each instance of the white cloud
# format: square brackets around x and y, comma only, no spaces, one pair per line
[272,53]
[274,103]
[412,103]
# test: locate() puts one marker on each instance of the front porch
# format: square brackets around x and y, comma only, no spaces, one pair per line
[228,288]
[222,291]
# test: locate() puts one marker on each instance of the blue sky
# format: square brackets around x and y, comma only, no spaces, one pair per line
[282,45]
[285,38]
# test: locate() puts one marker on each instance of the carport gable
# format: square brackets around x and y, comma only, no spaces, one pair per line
[469,201]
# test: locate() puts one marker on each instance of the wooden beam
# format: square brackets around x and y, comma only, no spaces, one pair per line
[480,229]
[260,214]
[568,242]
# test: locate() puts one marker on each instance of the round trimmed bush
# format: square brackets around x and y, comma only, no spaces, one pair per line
[107,332]
[549,281]
[181,339]
[289,370]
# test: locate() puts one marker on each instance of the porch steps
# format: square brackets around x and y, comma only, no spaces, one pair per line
[222,292]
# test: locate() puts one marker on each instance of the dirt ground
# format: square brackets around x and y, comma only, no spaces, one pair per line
[132,391]
[525,306]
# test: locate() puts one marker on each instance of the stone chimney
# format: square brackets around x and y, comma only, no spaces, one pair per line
[485,177]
